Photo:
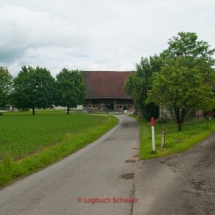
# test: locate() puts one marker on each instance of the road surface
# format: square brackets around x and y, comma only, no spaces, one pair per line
[88,182]
[181,184]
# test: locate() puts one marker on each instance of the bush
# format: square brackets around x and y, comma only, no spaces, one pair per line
[149,110]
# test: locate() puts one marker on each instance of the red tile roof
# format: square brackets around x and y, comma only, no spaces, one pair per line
[105,84]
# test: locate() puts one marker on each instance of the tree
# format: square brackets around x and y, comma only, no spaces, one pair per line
[5,86]
[186,45]
[186,78]
[70,89]
[33,88]
[138,83]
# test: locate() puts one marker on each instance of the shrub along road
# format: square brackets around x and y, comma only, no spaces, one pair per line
[180,184]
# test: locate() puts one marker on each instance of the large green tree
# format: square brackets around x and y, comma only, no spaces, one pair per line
[138,83]
[5,86]
[33,87]
[186,79]
[186,44]
[70,89]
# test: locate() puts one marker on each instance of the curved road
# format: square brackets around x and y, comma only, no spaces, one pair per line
[72,185]
[182,184]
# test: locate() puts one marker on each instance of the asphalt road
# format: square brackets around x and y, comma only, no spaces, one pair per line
[78,184]
[183,184]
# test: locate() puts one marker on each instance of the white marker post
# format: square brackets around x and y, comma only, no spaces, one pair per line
[153,134]
[163,139]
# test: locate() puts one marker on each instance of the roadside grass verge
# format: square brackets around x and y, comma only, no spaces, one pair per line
[192,133]
[29,143]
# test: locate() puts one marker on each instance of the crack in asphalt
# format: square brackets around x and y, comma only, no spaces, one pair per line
[133,195]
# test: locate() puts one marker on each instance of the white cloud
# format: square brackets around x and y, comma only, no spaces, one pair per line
[94,34]
[23,29]
[127,67]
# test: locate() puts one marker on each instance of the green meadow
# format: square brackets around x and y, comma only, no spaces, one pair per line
[192,133]
[29,143]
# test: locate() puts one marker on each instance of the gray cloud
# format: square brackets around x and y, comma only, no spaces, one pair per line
[94,34]
[22,29]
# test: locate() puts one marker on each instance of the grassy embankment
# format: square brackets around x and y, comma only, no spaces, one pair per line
[192,133]
[29,143]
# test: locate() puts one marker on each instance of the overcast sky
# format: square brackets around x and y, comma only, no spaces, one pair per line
[109,35]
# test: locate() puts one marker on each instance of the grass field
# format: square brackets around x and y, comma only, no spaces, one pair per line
[192,133]
[29,143]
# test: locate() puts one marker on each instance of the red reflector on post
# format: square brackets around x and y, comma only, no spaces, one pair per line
[152,122]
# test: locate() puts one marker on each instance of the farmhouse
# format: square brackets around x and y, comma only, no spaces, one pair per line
[105,90]
[167,114]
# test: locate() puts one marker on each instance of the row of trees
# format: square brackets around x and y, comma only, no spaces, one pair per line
[181,78]
[35,87]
